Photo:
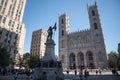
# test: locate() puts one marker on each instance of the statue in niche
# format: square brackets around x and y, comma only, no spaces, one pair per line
[50,31]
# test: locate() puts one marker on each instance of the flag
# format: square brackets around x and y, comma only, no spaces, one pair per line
[55,27]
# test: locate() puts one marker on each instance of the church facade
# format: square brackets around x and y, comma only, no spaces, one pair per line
[82,48]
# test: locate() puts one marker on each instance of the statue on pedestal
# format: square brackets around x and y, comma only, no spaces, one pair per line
[49,68]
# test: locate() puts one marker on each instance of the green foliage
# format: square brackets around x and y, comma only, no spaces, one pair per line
[4,58]
[20,62]
[112,54]
[116,60]
[33,61]
[118,63]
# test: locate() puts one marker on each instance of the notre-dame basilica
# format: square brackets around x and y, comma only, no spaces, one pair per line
[82,48]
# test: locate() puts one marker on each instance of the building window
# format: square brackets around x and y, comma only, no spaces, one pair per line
[0,31]
[62,32]
[95,26]
[62,21]
[4,20]
[81,57]
[0,7]
[97,38]
[100,56]
[9,23]
[0,18]
[13,24]
[62,44]
[90,56]
[93,13]
[2,2]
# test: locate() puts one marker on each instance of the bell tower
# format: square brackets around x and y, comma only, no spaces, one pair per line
[97,36]
[94,18]
[63,33]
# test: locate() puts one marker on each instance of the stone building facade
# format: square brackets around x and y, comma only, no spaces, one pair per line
[39,38]
[82,48]
[12,29]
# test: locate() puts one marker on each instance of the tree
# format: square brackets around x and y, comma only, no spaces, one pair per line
[118,63]
[112,59]
[4,58]
[112,54]
[33,61]
[20,62]
[26,58]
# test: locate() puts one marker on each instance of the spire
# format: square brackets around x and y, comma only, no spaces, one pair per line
[95,3]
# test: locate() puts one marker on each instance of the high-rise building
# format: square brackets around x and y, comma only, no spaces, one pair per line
[85,47]
[12,29]
[39,38]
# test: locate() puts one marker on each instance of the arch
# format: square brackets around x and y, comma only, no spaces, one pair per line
[62,33]
[62,21]
[80,58]
[72,61]
[97,38]
[95,26]
[93,13]
[100,57]
[90,60]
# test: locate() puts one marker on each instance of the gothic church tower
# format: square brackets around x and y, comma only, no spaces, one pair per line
[82,48]
[97,35]
[63,32]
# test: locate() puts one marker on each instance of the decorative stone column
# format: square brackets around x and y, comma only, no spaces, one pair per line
[76,61]
[85,60]
[67,61]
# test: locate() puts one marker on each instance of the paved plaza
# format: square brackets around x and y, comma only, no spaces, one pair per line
[71,76]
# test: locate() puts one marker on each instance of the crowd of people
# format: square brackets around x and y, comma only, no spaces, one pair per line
[7,71]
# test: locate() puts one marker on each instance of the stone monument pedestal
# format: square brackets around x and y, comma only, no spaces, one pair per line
[48,68]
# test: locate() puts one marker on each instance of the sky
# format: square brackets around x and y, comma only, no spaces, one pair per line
[44,13]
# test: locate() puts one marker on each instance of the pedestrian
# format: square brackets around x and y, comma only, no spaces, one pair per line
[75,72]
[15,76]
[67,71]
[96,71]
[100,71]
[85,73]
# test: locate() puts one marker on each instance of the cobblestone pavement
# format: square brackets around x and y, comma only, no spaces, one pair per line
[92,77]
[71,76]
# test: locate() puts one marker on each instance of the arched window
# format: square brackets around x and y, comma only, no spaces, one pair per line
[72,61]
[90,56]
[100,56]
[97,38]
[81,57]
[62,45]
[0,31]
[93,13]
[95,26]
[62,21]
[62,32]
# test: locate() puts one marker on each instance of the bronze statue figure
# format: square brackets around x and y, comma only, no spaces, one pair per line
[50,31]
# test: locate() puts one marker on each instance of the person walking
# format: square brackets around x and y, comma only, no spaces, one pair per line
[15,76]
[75,72]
